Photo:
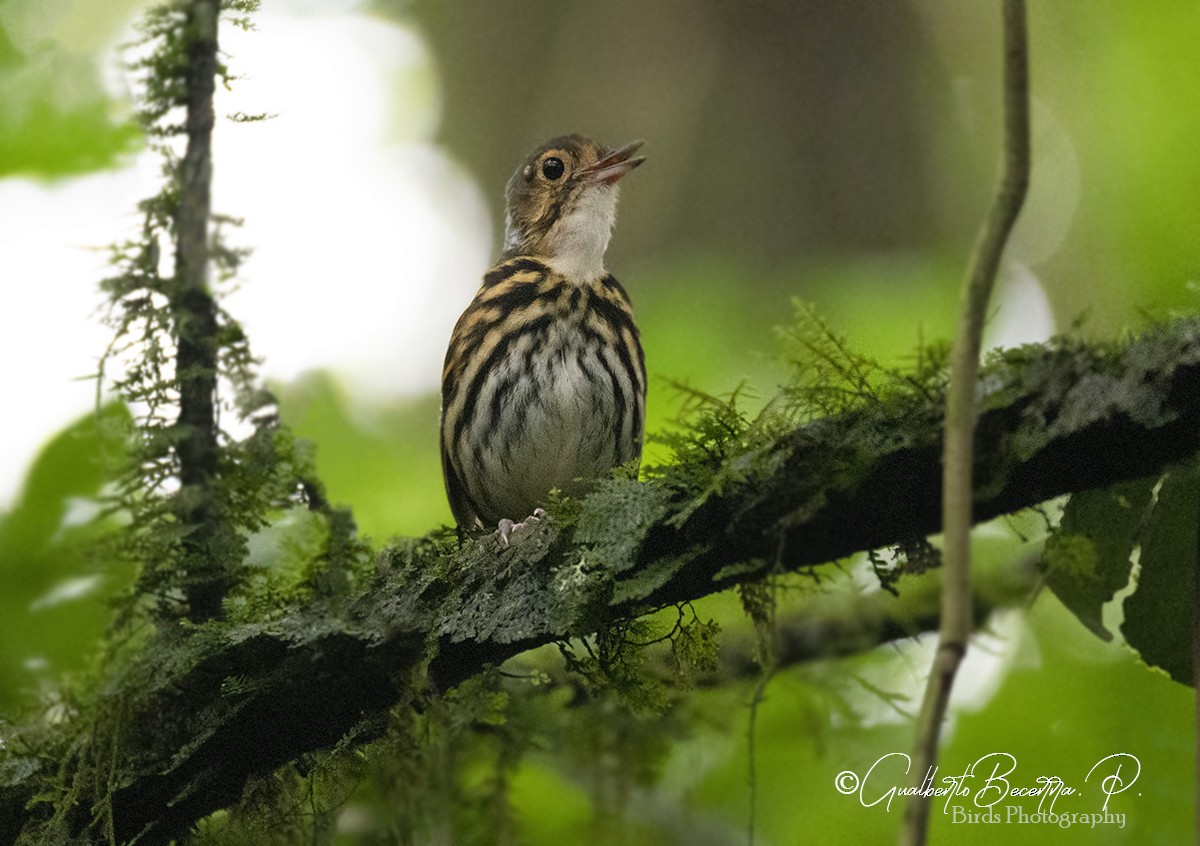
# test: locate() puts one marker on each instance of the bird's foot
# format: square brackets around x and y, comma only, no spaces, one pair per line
[506,528]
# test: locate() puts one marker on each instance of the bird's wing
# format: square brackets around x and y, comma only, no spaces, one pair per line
[456,492]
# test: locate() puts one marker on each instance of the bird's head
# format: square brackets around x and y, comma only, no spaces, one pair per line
[562,203]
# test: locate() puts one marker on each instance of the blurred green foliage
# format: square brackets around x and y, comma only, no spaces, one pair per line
[775,172]
[53,606]
[56,116]
[382,460]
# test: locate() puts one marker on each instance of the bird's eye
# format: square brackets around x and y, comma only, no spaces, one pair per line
[552,168]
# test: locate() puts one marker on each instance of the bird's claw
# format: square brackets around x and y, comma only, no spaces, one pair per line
[506,528]
[503,530]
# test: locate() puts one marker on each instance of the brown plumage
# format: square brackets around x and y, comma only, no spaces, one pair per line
[544,380]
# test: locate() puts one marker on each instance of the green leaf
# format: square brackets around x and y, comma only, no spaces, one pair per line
[1159,615]
[52,607]
[1086,560]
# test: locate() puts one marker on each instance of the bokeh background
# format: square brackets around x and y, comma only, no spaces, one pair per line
[841,153]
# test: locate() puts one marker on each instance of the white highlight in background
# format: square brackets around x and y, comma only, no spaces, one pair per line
[367,240]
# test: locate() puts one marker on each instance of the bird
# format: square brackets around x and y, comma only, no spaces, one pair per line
[544,381]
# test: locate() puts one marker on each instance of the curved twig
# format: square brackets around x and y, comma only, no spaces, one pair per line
[957,488]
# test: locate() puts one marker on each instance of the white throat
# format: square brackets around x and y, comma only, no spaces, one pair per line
[577,241]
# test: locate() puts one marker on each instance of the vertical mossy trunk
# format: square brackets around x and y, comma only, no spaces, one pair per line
[196,326]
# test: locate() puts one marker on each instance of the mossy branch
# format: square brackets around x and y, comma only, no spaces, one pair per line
[198,714]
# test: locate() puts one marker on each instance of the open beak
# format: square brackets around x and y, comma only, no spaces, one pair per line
[612,166]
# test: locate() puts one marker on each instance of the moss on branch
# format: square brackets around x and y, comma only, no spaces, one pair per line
[181,725]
